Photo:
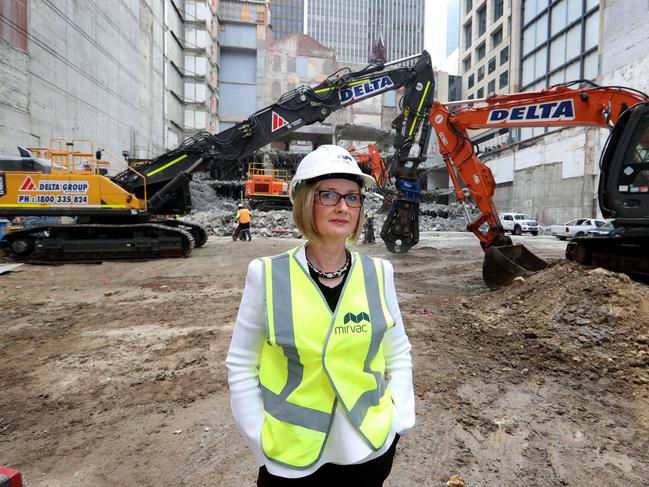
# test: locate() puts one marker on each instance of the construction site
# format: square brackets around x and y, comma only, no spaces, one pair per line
[114,373]
[190,141]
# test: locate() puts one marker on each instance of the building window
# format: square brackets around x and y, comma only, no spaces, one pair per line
[454,87]
[469,5]
[195,38]
[480,93]
[492,65]
[195,119]
[482,20]
[504,80]
[497,37]
[481,50]
[470,97]
[491,88]
[467,35]
[571,28]
[389,99]
[467,64]
[195,92]
[504,55]
[195,65]
[470,82]
[480,73]
[498,9]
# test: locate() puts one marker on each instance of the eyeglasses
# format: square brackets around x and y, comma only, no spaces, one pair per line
[332,198]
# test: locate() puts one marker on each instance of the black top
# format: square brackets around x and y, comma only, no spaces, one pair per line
[331,294]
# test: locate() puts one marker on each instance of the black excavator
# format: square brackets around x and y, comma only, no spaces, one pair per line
[124,217]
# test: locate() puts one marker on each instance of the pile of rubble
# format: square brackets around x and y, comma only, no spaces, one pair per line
[216,214]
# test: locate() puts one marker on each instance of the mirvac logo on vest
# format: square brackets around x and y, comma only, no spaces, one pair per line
[363,90]
[353,324]
[539,112]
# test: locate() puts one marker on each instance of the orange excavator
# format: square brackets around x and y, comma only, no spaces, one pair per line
[374,160]
[622,196]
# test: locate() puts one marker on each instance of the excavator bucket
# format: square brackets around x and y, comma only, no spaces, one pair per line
[503,263]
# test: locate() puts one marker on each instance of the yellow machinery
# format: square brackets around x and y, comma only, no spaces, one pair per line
[69,178]
[74,184]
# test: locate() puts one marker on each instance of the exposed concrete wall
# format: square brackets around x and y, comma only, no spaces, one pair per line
[553,178]
[14,99]
[90,72]
[623,35]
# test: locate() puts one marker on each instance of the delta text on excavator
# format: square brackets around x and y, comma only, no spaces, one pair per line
[122,222]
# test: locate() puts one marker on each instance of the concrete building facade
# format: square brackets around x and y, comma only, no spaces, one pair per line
[489,44]
[200,62]
[137,77]
[351,27]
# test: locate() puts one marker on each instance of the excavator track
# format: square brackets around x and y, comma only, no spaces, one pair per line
[197,232]
[621,253]
[85,243]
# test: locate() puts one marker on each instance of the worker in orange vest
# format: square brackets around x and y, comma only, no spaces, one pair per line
[244,217]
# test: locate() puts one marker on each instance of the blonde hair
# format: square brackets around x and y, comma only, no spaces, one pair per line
[303,215]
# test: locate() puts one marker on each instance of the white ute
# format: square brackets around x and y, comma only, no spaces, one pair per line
[576,228]
[519,223]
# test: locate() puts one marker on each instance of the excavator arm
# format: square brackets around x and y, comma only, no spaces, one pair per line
[374,160]
[557,106]
[167,176]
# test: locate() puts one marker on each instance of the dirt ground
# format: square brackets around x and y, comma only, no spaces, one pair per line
[114,374]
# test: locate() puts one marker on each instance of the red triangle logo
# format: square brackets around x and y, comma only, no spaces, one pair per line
[28,184]
[278,122]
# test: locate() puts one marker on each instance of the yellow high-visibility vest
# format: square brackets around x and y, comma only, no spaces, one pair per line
[313,359]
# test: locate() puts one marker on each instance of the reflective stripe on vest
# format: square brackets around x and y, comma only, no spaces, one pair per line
[306,369]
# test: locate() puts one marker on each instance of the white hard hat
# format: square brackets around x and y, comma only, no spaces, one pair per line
[329,161]
[240,205]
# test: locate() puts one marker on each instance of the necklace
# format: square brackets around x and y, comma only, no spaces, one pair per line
[334,274]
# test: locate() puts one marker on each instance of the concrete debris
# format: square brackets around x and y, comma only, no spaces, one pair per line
[216,214]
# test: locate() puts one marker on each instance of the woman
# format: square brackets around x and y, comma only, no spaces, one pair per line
[317,330]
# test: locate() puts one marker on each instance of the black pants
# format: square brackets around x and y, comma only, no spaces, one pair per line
[369,474]
[242,232]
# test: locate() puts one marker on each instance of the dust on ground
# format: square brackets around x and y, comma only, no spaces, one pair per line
[114,374]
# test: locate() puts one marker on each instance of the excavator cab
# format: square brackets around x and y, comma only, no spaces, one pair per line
[623,197]
[624,180]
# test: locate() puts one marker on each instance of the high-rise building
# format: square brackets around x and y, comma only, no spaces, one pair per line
[351,27]
[488,47]
[287,17]
[549,173]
